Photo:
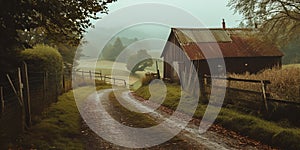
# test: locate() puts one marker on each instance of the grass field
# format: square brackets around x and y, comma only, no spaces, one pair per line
[291,65]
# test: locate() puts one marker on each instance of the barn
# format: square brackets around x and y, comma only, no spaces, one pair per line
[241,51]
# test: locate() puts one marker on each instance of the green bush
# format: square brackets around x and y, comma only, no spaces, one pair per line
[148,78]
[43,58]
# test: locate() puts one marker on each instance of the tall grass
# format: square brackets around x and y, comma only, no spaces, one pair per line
[285,83]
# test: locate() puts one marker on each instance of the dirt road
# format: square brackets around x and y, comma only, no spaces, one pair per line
[117,125]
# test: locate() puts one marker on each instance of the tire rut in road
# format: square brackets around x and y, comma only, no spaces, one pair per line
[184,140]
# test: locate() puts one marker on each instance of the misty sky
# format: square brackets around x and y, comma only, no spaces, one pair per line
[146,19]
[210,12]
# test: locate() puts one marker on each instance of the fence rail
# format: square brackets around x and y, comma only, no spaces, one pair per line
[284,101]
[98,75]
[236,79]
[265,95]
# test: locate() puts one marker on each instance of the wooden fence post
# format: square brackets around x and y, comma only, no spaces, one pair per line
[228,83]
[27,100]
[82,73]
[2,100]
[23,118]
[101,76]
[90,72]
[202,80]
[20,85]
[14,89]
[264,86]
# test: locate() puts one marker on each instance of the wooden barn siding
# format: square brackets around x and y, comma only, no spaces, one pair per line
[237,65]
[233,65]
[172,55]
[168,57]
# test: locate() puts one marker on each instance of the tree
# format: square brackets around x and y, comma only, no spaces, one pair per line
[58,20]
[112,51]
[279,20]
[291,52]
[139,61]
[107,50]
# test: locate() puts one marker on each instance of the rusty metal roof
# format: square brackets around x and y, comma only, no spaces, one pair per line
[230,43]
[201,35]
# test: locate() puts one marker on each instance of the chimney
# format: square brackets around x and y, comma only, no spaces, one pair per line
[223,24]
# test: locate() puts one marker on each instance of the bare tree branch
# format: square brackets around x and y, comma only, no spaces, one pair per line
[278,19]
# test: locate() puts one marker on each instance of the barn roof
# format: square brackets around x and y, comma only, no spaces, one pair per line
[231,42]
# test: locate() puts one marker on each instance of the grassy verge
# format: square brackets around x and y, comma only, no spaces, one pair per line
[128,117]
[268,132]
[59,127]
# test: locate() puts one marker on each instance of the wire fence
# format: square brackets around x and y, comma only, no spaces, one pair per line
[25,94]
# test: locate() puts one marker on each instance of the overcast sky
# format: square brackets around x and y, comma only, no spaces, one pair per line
[210,12]
[146,19]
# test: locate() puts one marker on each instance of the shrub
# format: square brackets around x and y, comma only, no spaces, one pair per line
[43,58]
[148,78]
